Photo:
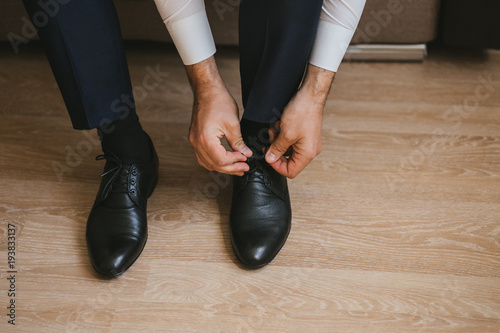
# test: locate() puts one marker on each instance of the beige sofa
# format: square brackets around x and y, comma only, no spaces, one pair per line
[383,21]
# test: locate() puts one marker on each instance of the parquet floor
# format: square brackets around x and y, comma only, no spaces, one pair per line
[396,225]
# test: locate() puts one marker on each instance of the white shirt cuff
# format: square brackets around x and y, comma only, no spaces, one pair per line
[192,37]
[330,45]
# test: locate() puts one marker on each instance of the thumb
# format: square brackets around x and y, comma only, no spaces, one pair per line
[237,144]
[278,148]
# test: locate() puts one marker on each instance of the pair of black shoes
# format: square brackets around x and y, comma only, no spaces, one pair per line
[260,216]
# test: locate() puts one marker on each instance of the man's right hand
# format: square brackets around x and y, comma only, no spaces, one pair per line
[215,115]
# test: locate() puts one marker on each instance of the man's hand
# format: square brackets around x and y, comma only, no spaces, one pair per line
[215,115]
[299,130]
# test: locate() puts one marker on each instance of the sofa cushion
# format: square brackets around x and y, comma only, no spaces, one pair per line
[383,21]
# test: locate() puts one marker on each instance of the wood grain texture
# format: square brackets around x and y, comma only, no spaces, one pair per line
[395,225]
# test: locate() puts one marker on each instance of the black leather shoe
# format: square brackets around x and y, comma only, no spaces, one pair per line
[261,215]
[117,225]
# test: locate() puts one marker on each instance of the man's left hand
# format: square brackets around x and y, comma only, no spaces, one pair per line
[297,140]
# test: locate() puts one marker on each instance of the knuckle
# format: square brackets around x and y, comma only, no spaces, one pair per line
[191,139]
[239,141]
[309,155]
[287,136]
[233,126]
[281,149]
[202,140]
[200,162]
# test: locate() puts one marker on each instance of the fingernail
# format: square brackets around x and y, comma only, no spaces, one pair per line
[271,157]
[245,150]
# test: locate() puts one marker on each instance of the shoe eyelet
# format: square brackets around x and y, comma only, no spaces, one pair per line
[132,192]
[132,181]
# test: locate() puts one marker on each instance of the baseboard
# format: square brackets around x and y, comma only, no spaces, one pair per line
[386,52]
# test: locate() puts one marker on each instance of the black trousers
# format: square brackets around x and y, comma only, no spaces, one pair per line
[83,43]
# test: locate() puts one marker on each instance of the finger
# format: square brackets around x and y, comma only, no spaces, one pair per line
[291,167]
[219,156]
[202,161]
[205,156]
[287,168]
[237,144]
[276,126]
[296,165]
[298,161]
[237,169]
[281,166]
[278,149]
[273,134]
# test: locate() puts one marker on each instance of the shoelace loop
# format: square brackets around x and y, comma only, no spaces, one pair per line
[119,178]
[257,162]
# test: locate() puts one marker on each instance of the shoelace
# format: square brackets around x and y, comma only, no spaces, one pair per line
[119,179]
[257,162]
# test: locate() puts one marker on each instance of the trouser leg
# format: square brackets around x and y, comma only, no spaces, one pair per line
[276,37]
[83,43]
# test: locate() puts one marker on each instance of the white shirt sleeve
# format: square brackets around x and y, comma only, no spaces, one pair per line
[338,21]
[187,23]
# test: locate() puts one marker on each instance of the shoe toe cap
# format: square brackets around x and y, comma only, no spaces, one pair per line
[257,250]
[113,256]
[115,238]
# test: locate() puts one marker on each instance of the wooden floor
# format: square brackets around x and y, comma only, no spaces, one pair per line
[396,225]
